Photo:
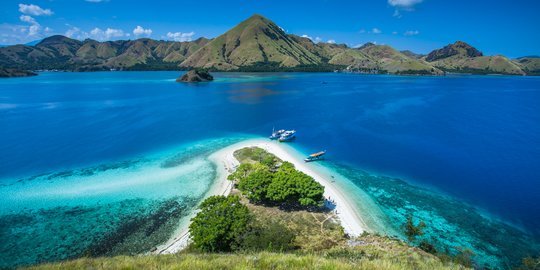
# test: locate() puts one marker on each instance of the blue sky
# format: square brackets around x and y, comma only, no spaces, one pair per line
[494,27]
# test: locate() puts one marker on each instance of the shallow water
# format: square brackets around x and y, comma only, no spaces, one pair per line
[108,153]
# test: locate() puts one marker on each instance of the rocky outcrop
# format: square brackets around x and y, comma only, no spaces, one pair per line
[196,75]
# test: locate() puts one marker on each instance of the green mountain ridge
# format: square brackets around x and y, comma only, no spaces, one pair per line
[256,44]
[461,57]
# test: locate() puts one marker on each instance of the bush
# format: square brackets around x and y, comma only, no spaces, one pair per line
[411,230]
[272,236]
[220,224]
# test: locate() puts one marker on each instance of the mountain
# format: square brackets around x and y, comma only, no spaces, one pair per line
[529,64]
[461,57]
[256,44]
[412,54]
[389,60]
[59,52]
[254,41]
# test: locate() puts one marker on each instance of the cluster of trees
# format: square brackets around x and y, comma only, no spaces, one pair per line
[283,186]
[219,224]
[224,224]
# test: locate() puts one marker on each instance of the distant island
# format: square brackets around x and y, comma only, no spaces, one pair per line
[12,73]
[256,44]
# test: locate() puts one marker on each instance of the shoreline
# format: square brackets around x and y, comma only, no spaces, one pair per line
[225,162]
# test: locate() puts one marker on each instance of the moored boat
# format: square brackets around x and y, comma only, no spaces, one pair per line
[288,135]
[276,134]
[315,156]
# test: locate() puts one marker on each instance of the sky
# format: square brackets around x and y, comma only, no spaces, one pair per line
[503,27]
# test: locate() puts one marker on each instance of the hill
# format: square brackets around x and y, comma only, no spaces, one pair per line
[530,64]
[461,57]
[63,53]
[253,41]
[256,44]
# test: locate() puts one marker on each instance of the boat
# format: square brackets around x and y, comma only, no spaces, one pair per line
[315,156]
[287,136]
[276,134]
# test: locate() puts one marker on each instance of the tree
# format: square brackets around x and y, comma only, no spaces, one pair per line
[292,186]
[411,230]
[255,185]
[220,223]
[241,172]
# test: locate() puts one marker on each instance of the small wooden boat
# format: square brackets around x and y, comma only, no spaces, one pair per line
[315,156]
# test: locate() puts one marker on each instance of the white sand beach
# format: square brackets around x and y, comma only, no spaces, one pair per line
[224,158]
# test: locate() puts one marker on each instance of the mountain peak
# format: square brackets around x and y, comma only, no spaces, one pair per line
[458,48]
[366,45]
[57,39]
[254,41]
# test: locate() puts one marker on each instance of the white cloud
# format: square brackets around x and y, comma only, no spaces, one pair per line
[34,10]
[33,30]
[406,4]
[331,41]
[315,40]
[411,33]
[28,19]
[96,1]
[394,33]
[362,31]
[376,31]
[141,31]
[108,34]
[179,36]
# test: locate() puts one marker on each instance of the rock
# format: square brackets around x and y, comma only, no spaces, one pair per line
[196,75]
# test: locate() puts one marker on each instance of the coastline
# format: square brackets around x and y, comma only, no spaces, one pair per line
[225,162]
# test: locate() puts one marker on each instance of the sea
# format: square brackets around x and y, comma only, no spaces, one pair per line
[108,163]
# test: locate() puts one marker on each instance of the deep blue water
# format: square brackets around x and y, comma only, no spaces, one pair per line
[476,138]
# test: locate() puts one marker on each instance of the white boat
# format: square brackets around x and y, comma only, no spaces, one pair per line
[276,134]
[288,135]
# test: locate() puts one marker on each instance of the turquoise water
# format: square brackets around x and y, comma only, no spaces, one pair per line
[109,162]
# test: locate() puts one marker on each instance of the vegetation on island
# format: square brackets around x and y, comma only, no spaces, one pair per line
[274,182]
[256,45]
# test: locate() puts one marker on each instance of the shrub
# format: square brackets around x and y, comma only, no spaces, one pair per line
[272,236]
[411,230]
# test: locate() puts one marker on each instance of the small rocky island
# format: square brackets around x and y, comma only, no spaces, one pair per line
[196,75]
[11,73]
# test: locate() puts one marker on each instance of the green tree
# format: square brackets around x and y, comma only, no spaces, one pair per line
[255,185]
[411,230]
[220,223]
[241,172]
[292,186]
